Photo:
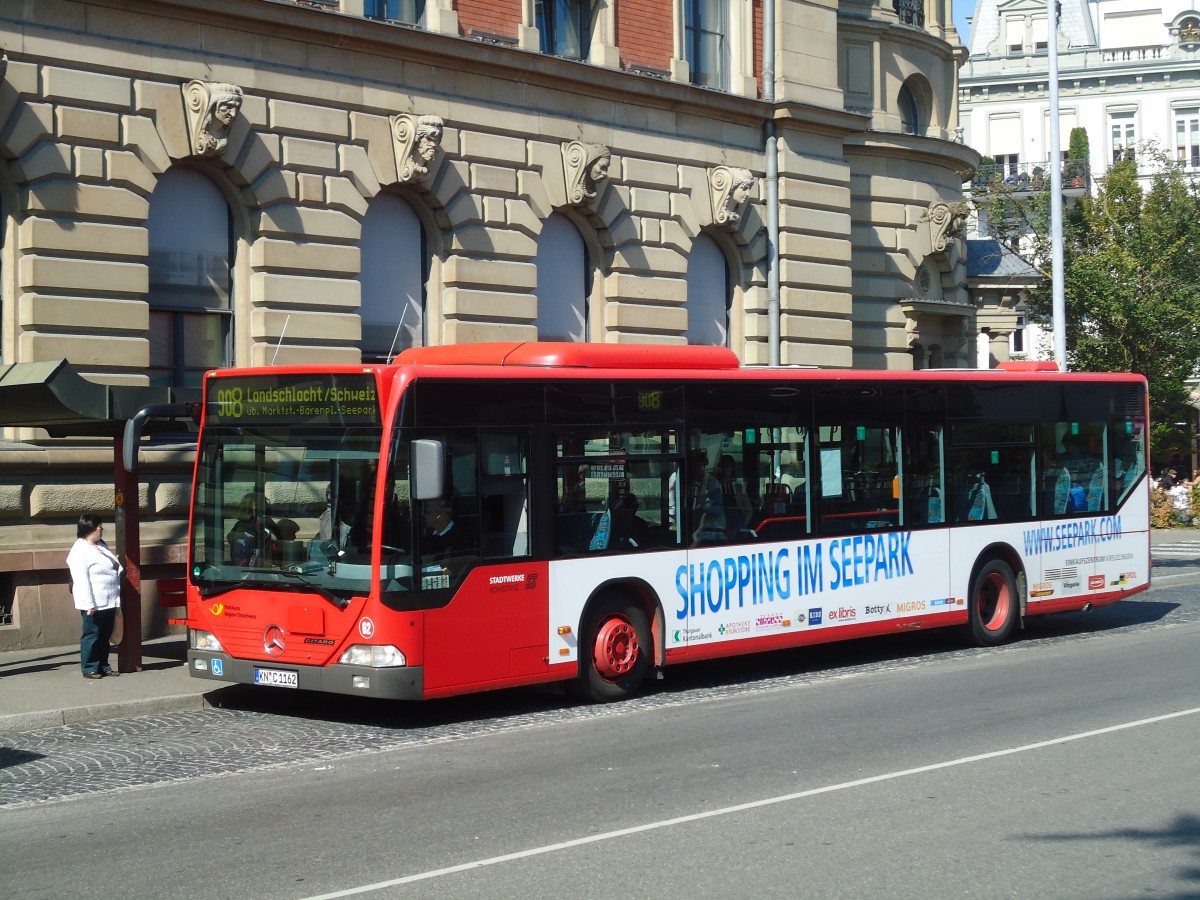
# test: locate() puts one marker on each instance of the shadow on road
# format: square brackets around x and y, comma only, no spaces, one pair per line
[717,674]
[1183,833]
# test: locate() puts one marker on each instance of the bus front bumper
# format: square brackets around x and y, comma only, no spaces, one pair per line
[395,683]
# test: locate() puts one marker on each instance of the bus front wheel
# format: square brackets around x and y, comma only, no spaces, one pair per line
[994,605]
[614,650]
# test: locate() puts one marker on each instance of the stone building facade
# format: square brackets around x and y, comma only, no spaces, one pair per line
[189,184]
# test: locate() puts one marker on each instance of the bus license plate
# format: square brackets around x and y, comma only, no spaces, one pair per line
[276,678]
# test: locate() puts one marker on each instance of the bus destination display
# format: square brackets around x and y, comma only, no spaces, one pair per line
[350,399]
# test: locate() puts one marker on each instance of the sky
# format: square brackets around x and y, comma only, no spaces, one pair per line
[961,10]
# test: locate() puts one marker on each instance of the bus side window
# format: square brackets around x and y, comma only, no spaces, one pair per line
[1075,463]
[1128,462]
[923,492]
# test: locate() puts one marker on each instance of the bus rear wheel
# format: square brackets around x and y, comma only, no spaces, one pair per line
[614,650]
[993,606]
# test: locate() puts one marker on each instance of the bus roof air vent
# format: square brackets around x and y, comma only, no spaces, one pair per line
[568,355]
[1028,365]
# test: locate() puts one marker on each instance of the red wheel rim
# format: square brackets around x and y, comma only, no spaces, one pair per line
[995,600]
[615,651]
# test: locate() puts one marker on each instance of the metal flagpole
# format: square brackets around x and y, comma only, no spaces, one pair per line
[1056,213]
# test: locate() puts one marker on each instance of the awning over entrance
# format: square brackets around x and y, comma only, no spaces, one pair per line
[53,396]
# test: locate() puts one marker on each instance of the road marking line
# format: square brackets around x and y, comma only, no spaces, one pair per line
[742,807]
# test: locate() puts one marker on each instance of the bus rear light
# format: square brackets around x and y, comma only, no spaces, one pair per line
[564,651]
[203,640]
[564,629]
[373,656]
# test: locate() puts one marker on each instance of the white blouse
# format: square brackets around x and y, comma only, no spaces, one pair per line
[95,576]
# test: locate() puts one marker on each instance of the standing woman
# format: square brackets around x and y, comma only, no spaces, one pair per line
[96,590]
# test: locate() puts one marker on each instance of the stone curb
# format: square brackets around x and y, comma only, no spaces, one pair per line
[78,715]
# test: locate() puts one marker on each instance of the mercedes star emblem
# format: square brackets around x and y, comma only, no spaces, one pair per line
[273,641]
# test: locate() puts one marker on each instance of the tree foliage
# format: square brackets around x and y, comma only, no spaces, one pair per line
[1131,261]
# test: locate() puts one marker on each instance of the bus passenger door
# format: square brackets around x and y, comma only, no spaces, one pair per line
[493,629]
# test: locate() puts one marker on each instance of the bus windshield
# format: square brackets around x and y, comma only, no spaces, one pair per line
[284,497]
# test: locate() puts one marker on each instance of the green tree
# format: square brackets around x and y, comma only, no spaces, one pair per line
[1131,260]
[1078,154]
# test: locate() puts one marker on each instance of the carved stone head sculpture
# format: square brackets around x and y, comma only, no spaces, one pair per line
[586,166]
[417,141]
[211,107]
[731,188]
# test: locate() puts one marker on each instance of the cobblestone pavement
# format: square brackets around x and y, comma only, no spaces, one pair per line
[260,729]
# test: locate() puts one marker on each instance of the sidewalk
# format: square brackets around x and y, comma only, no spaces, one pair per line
[42,688]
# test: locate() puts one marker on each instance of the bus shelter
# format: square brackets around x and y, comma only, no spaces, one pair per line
[53,396]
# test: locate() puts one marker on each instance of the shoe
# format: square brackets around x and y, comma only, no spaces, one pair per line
[92,676]
[110,673]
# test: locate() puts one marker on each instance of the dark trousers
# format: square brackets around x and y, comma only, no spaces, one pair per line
[93,642]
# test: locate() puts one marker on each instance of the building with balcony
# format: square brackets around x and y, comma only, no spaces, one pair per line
[1129,74]
[194,184]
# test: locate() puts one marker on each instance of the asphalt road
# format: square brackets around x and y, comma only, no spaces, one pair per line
[1062,765]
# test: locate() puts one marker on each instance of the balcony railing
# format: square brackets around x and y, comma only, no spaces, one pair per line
[911,12]
[1026,176]
[1134,54]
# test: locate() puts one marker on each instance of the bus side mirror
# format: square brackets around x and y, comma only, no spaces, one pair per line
[428,473]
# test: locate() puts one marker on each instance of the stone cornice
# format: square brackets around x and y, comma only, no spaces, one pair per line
[889,32]
[339,36]
[948,154]
[832,122]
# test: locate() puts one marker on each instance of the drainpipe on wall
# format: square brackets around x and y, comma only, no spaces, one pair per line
[770,151]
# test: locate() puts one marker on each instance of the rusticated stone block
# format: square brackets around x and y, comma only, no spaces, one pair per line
[99,276]
[70,501]
[88,124]
[91,88]
[55,235]
[12,501]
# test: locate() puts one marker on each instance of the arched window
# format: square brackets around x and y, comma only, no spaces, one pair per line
[564,281]
[191,264]
[564,26]
[393,274]
[709,294]
[906,105]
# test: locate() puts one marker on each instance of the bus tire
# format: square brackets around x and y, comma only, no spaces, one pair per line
[614,650]
[993,605]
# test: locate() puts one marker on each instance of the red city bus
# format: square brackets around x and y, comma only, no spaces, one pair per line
[489,515]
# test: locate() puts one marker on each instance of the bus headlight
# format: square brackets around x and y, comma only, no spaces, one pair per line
[373,656]
[203,640]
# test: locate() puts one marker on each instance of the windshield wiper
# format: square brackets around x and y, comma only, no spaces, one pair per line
[216,589]
[339,602]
